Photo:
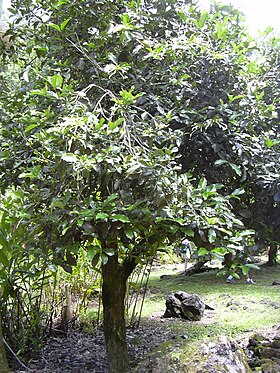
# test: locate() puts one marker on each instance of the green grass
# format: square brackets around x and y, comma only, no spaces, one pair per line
[239,308]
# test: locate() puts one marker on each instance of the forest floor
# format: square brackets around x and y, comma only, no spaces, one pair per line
[239,311]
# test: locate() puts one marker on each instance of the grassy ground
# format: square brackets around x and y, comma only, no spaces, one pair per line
[239,308]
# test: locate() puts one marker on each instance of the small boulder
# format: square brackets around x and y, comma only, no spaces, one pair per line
[184,305]
[221,355]
[264,352]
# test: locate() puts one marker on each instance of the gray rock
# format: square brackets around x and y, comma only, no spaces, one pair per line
[192,307]
[184,305]
[264,352]
[220,355]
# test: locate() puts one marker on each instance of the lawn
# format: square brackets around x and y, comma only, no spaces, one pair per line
[239,308]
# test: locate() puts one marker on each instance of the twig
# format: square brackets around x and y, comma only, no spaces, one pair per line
[145,290]
[14,354]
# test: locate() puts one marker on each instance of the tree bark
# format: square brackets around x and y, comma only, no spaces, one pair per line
[272,255]
[113,296]
[4,368]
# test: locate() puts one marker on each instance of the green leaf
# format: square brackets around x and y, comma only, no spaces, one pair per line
[247,232]
[244,269]
[69,157]
[87,213]
[33,173]
[163,250]
[43,92]
[110,251]
[3,258]
[202,183]
[212,235]
[189,232]
[101,216]
[252,266]
[222,272]
[235,168]
[233,98]
[119,121]
[3,241]
[235,275]
[57,203]
[129,233]
[56,81]
[80,223]
[95,260]
[104,258]
[113,125]
[109,199]
[64,24]
[65,230]
[92,251]
[203,18]
[220,162]
[202,251]
[237,192]
[238,222]
[217,256]
[182,15]
[219,250]
[270,143]
[120,217]
[31,127]
[53,25]
[99,124]
[259,96]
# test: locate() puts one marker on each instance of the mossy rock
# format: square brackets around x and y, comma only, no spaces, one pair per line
[269,366]
[220,355]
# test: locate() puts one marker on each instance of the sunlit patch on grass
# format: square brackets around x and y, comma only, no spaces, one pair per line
[239,307]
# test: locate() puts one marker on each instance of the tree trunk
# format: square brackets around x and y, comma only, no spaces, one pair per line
[3,359]
[113,296]
[272,255]
[196,268]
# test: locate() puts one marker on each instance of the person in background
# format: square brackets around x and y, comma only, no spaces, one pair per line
[185,251]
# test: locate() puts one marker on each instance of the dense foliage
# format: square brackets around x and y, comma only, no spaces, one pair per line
[127,125]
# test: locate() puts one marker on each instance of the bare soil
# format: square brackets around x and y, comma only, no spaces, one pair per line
[81,352]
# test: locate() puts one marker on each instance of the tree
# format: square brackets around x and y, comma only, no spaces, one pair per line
[92,130]
[268,177]
[225,140]
[114,191]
